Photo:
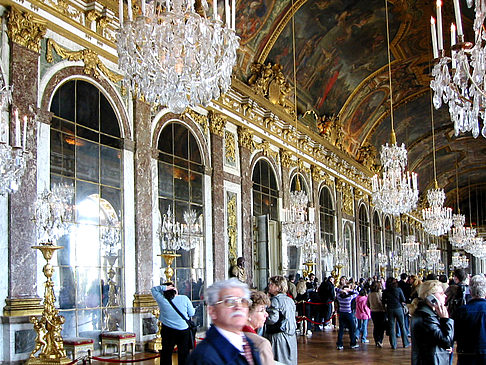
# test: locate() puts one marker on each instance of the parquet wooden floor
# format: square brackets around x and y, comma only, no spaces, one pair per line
[321,349]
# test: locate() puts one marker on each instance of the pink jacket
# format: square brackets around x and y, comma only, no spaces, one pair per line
[362,310]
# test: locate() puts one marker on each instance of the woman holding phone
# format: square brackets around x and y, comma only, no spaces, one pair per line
[432,330]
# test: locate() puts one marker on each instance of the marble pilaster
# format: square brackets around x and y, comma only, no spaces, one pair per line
[217,192]
[246,191]
[22,270]
[143,201]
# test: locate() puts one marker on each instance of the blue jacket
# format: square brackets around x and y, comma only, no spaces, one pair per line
[217,350]
[168,316]
[470,330]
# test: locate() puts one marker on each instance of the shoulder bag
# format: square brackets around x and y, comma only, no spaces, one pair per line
[191,324]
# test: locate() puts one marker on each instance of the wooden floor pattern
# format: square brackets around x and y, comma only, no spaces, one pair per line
[321,349]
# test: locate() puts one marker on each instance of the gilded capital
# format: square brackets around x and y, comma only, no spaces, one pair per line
[200,119]
[245,139]
[217,123]
[25,30]
[316,173]
[286,158]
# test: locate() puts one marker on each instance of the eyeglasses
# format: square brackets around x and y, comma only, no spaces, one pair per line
[231,302]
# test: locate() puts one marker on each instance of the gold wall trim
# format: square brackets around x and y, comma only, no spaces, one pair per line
[143,300]
[267,150]
[230,148]
[278,30]
[200,119]
[23,307]
[286,158]
[92,62]
[25,29]
[232,228]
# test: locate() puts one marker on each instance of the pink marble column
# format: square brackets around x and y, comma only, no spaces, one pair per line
[246,221]
[22,235]
[143,198]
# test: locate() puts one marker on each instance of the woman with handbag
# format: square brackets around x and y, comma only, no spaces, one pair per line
[281,325]
[175,313]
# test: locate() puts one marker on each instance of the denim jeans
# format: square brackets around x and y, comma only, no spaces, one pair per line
[396,315]
[362,331]
[346,320]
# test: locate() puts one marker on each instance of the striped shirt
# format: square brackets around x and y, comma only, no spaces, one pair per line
[345,303]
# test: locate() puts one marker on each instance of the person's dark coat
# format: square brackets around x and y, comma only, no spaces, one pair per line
[431,337]
[406,289]
[327,291]
[216,350]
[393,298]
[470,333]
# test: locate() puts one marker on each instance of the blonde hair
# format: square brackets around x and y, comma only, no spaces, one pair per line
[258,298]
[426,288]
[280,282]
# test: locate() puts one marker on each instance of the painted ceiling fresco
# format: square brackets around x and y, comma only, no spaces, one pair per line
[342,70]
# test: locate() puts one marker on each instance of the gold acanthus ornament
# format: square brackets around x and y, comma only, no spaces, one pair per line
[217,124]
[229,148]
[267,150]
[92,63]
[347,197]
[200,119]
[287,160]
[25,30]
[398,225]
[245,139]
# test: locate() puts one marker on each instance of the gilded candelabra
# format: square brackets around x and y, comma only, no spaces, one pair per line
[155,345]
[49,341]
[309,268]
[336,273]
[169,257]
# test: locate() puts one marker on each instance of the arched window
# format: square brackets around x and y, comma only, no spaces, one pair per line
[180,170]
[364,244]
[326,218]
[85,151]
[348,244]
[326,228]
[265,193]
[377,248]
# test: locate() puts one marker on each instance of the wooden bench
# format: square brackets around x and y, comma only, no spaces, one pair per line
[79,346]
[119,339]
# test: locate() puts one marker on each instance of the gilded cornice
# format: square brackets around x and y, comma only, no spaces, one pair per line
[245,139]
[24,29]
[200,119]
[63,7]
[92,63]
[217,123]
[287,160]
[229,148]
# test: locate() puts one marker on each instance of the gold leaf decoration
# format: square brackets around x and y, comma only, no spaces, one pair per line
[92,63]
[245,139]
[230,148]
[25,30]
[217,124]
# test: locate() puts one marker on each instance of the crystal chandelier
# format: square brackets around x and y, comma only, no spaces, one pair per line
[175,236]
[298,229]
[437,218]
[396,191]
[53,213]
[396,260]
[341,257]
[460,261]
[463,86]
[432,256]
[410,248]
[173,54]
[460,236]
[110,236]
[13,155]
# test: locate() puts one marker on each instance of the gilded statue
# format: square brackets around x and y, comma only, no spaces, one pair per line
[367,156]
[238,271]
[330,127]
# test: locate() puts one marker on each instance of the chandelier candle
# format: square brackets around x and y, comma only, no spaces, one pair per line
[457,12]
[433,30]
[440,39]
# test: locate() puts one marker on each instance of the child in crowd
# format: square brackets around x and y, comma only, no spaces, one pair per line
[363,314]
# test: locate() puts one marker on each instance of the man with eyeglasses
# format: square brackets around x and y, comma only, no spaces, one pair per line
[225,343]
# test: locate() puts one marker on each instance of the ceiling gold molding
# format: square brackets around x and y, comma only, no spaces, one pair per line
[25,29]
[92,63]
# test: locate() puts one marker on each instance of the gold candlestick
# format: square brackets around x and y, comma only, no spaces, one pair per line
[169,257]
[336,273]
[48,327]
[309,266]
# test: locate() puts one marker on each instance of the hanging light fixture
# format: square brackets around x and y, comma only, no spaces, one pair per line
[432,256]
[459,261]
[298,225]
[437,218]
[410,248]
[396,191]
[173,54]
[175,236]
[462,87]
[459,235]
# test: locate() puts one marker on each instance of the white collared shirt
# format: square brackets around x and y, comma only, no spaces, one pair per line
[235,339]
